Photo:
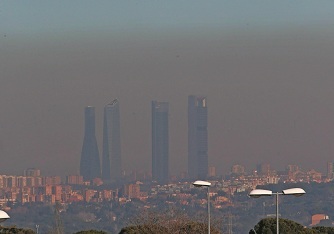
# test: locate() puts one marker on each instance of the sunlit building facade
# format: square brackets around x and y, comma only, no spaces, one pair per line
[238,169]
[330,174]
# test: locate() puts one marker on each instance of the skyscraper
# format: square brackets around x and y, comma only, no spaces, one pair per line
[264,169]
[197,137]
[160,141]
[111,143]
[330,170]
[90,161]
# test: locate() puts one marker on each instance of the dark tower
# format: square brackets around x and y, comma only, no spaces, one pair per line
[160,143]
[111,143]
[197,137]
[90,161]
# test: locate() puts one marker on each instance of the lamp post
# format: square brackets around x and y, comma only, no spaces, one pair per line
[256,193]
[200,183]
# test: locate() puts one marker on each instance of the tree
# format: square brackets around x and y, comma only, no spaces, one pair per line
[144,228]
[268,226]
[91,232]
[323,230]
[13,230]
[177,227]
[167,222]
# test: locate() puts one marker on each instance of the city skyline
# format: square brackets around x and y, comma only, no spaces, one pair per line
[197,141]
[264,66]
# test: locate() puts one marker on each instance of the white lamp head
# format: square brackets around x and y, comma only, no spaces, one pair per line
[260,192]
[201,183]
[3,216]
[294,191]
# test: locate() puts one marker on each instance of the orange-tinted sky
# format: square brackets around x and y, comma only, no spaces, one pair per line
[265,67]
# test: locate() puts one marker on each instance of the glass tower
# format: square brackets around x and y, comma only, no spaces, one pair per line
[160,141]
[197,137]
[90,161]
[111,155]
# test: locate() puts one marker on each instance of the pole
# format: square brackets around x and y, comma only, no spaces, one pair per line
[208,210]
[277,218]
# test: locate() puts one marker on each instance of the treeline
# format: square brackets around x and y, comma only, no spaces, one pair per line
[13,230]
[183,225]
[268,226]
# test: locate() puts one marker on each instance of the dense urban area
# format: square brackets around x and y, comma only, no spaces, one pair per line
[33,200]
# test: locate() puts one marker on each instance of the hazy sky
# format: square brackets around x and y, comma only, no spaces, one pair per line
[265,66]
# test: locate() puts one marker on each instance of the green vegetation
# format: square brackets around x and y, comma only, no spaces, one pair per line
[178,227]
[13,230]
[91,232]
[167,222]
[323,230]
[268,226]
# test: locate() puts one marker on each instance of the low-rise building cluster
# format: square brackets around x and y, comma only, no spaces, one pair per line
[32,187]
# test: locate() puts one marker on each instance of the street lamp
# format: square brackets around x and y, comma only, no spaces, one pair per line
[200,183]
[256,193]
[3,216]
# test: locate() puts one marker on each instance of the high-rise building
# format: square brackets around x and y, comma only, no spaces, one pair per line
[330,174]
[263,169]
[111,155]
[197,137]
[32,172]
[238,169]
[160,141]
[90,162]
[212,171]
[292,168]
[132,190]
[74,179]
